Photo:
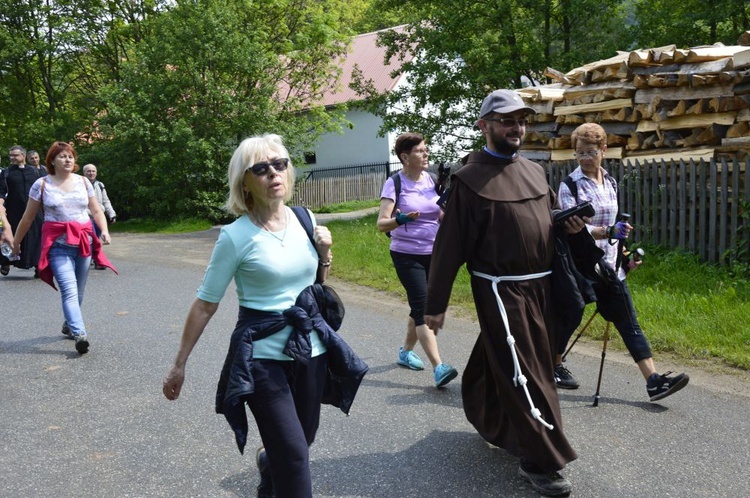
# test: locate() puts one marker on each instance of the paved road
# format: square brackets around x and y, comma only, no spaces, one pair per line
[98,425]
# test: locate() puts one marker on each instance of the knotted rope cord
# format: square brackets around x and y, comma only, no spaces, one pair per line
[518,377]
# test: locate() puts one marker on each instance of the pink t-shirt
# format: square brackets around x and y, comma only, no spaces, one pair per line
[415,237]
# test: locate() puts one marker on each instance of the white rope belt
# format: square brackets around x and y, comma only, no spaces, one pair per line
[518,377]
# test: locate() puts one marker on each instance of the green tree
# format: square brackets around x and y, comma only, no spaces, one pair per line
[460,50]
[689,23]
[54,57]
[207,74]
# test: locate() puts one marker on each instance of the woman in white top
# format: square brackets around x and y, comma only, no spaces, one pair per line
[68,239]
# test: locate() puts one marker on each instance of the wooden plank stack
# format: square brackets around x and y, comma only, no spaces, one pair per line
[659,103]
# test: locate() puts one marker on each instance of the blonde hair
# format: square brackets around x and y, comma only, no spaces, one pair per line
[591,133]
[251,151]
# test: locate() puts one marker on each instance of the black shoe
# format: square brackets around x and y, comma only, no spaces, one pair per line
[661,386]
[548,483]
[82,343]
[564,379]
[66,330]
[265,487]
[4,269]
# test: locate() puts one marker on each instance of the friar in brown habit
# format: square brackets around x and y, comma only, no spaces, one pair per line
[498,221]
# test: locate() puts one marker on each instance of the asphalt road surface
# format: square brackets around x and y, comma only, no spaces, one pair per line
[98,426]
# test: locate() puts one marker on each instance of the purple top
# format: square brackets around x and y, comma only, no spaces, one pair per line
[415,237]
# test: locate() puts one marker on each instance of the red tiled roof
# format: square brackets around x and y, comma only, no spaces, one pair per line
[369,58]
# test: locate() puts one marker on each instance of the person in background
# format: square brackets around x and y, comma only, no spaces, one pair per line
[15,183]
[498,221]
[32,159]
[100,192]
[413,224]
[68,239]
[593,183]
[274,264]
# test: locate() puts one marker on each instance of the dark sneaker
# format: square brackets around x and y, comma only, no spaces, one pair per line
[548,484]
[265,487]
[4,270]
[564,379]
[66,330]
[82,343]
[661,386]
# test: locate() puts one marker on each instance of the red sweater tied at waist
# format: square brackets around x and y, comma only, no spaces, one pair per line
[77,234]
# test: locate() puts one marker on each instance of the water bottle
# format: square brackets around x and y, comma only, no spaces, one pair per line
[7,251]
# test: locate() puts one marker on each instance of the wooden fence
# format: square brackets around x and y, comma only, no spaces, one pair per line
[702,207]
[323,187]
[695,206]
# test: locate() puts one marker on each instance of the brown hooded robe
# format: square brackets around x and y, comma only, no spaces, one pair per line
[498,221]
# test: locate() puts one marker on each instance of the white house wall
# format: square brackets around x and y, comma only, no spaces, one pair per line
[357,145]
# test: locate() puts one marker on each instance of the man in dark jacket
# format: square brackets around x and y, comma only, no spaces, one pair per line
[15,183]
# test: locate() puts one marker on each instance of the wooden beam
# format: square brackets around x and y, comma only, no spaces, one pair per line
[670,155]
[646,95]
[743,142]
[700,121]
[574,92]
[599,106]
[710,67]
[568,154]
[739,129]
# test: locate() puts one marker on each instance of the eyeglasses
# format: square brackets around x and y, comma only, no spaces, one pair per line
[260,169]
[508,122]
[582,154]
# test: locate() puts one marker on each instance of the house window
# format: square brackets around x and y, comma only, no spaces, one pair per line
[310,158]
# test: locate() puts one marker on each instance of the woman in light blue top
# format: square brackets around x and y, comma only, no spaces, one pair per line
[412,216]
[271,259]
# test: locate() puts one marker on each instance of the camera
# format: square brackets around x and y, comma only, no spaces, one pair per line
[581,210]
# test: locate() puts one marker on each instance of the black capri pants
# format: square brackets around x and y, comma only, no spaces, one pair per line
[412,271]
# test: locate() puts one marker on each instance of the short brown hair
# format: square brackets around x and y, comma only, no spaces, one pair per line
[55,150]
[406,142]
[591,133]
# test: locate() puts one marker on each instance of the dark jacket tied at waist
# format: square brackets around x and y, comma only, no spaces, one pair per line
[345,368]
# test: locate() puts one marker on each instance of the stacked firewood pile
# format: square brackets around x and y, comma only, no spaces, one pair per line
[660,103]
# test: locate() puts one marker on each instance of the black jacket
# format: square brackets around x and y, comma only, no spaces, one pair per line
[345,368]
[573,277]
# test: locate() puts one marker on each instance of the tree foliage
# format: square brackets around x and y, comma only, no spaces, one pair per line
[689,23]
[157,93]
[462,49]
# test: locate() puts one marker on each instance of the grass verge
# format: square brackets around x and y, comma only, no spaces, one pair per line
[689,309]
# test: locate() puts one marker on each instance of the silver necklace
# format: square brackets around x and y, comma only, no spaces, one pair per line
[283,236]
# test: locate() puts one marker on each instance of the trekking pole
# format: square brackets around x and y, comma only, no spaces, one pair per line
[579,335]
[601,366]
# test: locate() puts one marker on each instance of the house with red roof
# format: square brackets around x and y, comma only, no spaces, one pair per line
[359,143]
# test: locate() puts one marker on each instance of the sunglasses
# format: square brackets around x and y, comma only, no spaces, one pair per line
[508,122]
[260,169]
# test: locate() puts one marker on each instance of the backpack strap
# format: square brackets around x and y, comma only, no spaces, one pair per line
[304,218]
[303,215]
[397,187]
[568,181]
